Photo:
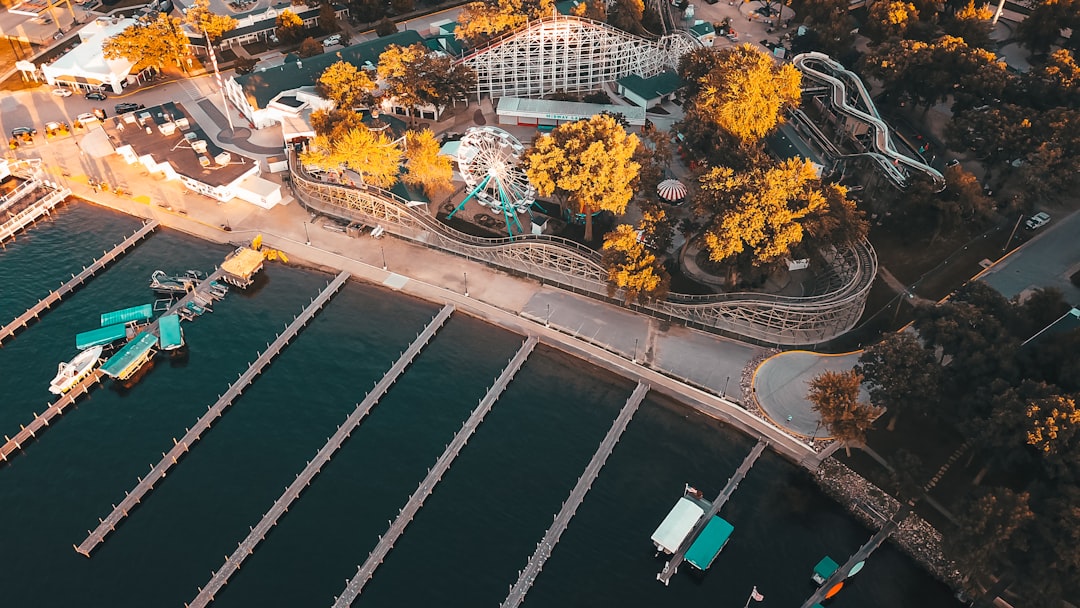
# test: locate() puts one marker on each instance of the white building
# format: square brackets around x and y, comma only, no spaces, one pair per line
[85,67]
[165,140]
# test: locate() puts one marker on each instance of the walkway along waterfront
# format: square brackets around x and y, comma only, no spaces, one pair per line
[76,280]
[13,444]
[543,550]
[292,492]
[212,413]
[676,560]
[434,476]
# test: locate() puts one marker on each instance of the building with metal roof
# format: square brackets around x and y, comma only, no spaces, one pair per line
[85,66]
[652,91]
[545,112]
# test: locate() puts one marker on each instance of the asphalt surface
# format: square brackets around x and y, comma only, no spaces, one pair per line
[1046,261]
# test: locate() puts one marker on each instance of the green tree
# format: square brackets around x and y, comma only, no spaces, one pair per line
[963,202]
[346,85]
[747,92]
[835,397]
[1055,83]
[402,6]
[589,162]
[889,19]
[591,9]
[632,267]
[200,18]
[831,26]
[1055,428]
[149,42]
[840,223]
[309,48]
[385,27]
[991,528]
[290,27]
[336,123]
[758,215]
[626,15]
[416,77]
[424,165]
[1041,29]
[657,228]
[370,154]
[901,375]
[972,24]
[479,22]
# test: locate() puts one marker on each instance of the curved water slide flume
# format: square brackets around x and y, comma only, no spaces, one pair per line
[885,151]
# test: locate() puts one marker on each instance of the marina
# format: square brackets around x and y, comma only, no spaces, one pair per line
[33,198]
[76,280]
[292,492]
[527,577]
[40,421]
[204,423]
[386,542]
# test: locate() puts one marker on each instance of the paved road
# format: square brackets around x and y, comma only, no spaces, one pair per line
[1046,261]
[782,381]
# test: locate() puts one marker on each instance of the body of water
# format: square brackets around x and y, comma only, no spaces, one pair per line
[475,532]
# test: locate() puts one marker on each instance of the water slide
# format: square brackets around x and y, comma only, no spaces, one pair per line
[821,68]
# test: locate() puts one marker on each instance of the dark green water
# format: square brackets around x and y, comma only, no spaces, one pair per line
[473,534]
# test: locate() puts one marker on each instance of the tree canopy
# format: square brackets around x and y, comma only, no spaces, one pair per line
[370,154]
[424,166]
[481,21]
[346,85]
[588,161]
[746,92]
[201,19]
[149,42]
[889,19]
[835,397]
[901,375]
[415,77]
[290,27]
[632,267]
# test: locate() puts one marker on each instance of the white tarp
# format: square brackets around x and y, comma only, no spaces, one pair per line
[678,523]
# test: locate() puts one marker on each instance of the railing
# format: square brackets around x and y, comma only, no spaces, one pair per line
[767,318]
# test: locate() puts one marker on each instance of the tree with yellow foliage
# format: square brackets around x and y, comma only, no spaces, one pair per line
[632,267]
[589,162]
[1055,424]
[346,85]
[747,92]
[481,21]
[201,19]
[972,23]
[290,27]
[757,216]
[149,42]
[373,155]
[591,9]
[889,19]
[424,166]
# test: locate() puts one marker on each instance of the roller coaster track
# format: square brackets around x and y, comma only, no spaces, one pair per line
[823,69]
[766,318]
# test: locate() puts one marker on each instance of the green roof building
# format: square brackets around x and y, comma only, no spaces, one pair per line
[649,92]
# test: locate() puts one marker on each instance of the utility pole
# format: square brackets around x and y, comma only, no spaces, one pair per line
[1013,233]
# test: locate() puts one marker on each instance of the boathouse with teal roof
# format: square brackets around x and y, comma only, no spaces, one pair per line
[100,336]
[130,358]
[128,315]
[709,543]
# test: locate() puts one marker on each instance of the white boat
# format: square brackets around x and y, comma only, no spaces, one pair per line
[69,374]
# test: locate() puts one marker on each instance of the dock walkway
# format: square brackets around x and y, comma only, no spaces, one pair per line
[76,280]
[14,444]
[292,492]
[527,577]
[204,423]
[676,560]
[435,474]
[24,218]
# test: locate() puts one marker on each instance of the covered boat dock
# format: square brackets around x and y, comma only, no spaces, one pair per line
[134,314]
[709,543]
[125,363]
[677,525]
[172,337]
[241,266]
[100,336]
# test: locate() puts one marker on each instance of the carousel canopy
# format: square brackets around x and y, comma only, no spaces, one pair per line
[671,190]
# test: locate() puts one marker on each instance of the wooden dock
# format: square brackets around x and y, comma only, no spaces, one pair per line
[676,560]
[22,219]
[76,280]
[14,444]
[527,577]
[203,424]
[864,552]
[435,474]
[292,492]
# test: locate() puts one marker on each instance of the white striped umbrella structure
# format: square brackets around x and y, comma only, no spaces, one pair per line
[671,190]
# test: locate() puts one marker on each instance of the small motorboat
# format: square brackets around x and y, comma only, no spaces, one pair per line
[166,285]
[72,372]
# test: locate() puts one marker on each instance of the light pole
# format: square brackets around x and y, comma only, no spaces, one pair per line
[547,319]
[466,275]
[635,349]
[307,238]
[383,253]
[724,393]
[1013,233]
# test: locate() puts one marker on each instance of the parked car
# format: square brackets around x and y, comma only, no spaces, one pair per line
[23,131]
[1038,220]
[124,108]
[86,118]
[332,40]
[62,92]
[96,95]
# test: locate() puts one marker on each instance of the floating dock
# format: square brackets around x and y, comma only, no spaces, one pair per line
[204,423]
[527,577]
[33,178]
[676,560]
[76,280]
[435,474]
[259,532]
[14,444]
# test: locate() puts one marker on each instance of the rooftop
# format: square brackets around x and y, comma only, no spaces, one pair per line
[664,83]
[87,57]
[567,110]
[709,543]
[243,263]
[263,85]
[168,133]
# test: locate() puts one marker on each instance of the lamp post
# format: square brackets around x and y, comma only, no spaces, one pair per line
[466,276]
[635,349]
[382,252]
[723,394]
[547,319]
[307,238]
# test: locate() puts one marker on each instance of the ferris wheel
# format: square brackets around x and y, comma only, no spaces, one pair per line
[489,160]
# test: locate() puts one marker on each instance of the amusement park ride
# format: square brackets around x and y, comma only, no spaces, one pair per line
[490,163]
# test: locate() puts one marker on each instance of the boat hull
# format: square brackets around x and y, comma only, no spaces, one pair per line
[71,373]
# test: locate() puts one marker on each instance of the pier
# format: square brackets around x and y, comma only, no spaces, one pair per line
[864,552]
[14,444]
[527,577]
[676,560]
[30,171]
[204,423]
[76,280]
[292,492]
[435,474]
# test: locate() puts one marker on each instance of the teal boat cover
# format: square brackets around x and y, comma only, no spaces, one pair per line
[709,543]
[97,337]
[826,567]
[127,315]
[132,351]
[171,336]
